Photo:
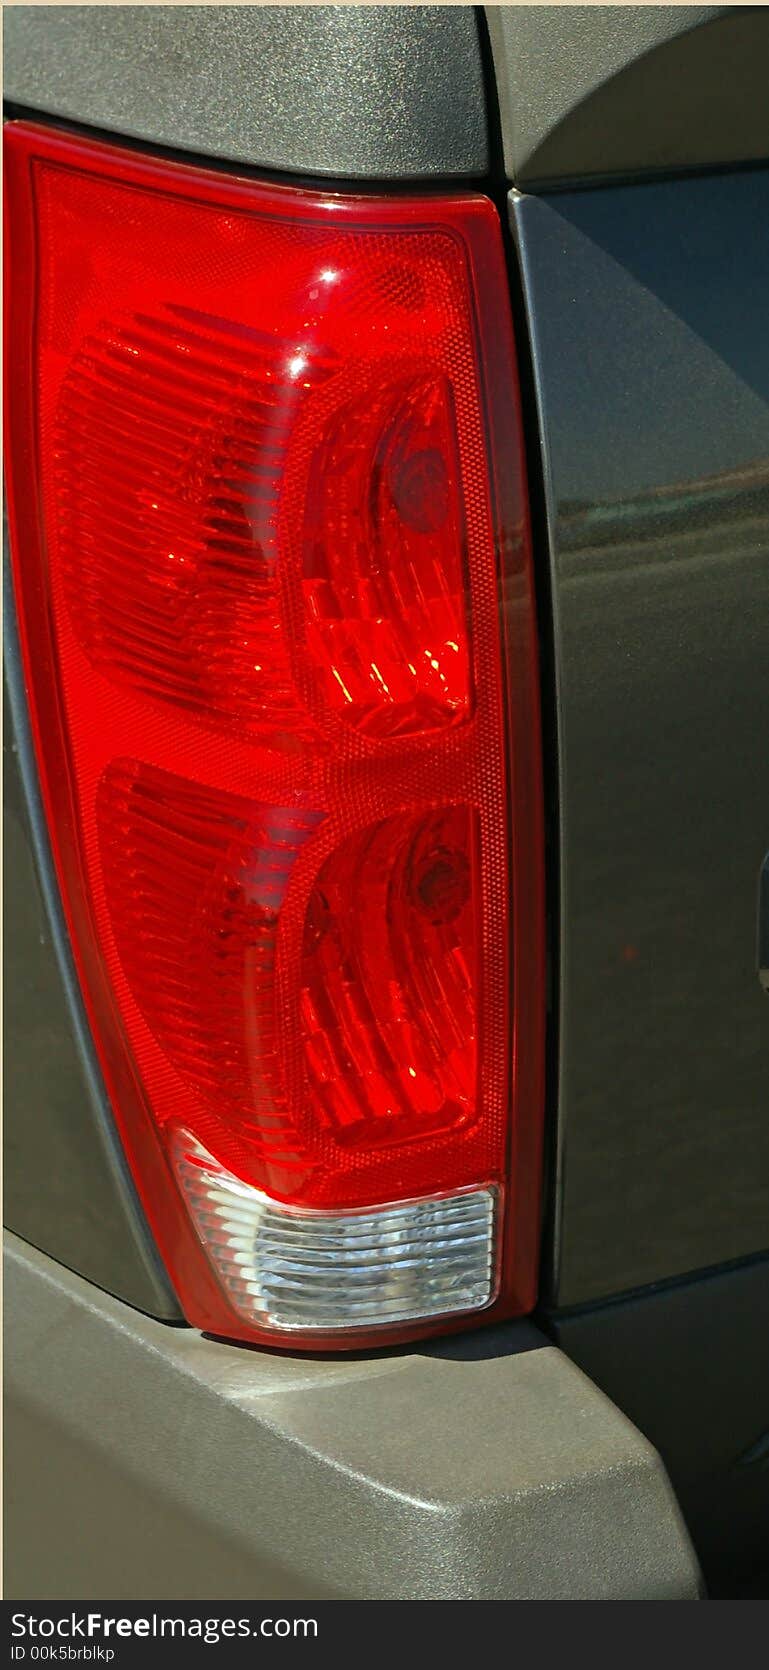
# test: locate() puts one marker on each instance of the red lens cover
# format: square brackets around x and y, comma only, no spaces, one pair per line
[273,575]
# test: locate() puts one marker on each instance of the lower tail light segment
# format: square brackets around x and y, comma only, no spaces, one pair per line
[272,569]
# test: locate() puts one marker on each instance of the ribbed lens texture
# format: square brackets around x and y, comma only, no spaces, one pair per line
[383,562]
[169,550]
[262,607]
[288,1269]
[389,993]
[195,884]
[272,561]
[211,928]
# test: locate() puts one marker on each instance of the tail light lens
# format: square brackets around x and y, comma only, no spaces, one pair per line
[273,576]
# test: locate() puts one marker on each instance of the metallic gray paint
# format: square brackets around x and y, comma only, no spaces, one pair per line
[617,90]
[366,92]
[647,308]
[489,1468]
[689,1364]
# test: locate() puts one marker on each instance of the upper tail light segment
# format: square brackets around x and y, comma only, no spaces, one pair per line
[273,576]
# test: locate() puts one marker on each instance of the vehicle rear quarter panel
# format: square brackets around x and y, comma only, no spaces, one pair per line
[647,308]
[360,92]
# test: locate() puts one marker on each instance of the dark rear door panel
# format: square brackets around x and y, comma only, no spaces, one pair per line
[648,314]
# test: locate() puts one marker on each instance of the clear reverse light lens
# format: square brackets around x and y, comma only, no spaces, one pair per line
[289,1268]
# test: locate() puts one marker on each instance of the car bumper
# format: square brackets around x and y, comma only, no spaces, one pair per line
[148,1462]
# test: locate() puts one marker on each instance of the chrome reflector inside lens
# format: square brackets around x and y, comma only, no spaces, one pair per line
[299,1269]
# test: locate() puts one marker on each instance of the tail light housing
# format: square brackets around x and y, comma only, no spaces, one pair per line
[273,576]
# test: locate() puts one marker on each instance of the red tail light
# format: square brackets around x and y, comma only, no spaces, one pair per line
[273,576]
